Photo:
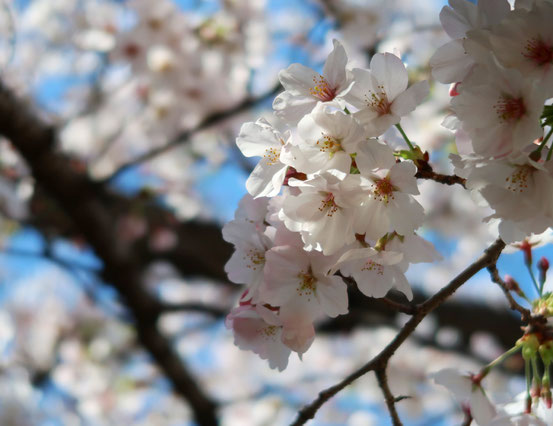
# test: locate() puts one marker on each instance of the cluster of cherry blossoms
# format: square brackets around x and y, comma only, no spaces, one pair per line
[500,64]
[326,196]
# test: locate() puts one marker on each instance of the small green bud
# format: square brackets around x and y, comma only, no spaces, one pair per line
[546,352]
[530,345]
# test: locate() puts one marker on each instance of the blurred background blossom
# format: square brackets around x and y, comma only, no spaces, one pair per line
[147,99]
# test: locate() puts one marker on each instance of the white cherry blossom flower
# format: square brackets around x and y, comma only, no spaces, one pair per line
[381,93]
[388,204]
[296,281]
[305,87]
[375,272]
[248,260]
[260,139]
[524,41]
[259,329]
[467,390]
[323,210]
[499,109]
[517,189]
[327,139]
[451,63]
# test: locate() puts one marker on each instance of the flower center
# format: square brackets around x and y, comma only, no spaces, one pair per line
[509,108]
[538,51]
[272,156]
[373,266]
[383,190]
[322,90]
[518,181]
[308,284]
[269,331]
[329,144]
[378,101]
[256,259]
[328,205]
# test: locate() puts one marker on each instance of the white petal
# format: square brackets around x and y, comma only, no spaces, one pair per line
[390,73]
[408,100]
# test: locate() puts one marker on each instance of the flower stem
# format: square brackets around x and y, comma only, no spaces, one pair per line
[499,360]
[539,289]
[407,141]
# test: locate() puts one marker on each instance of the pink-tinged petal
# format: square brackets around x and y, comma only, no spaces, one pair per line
[379,124]
[332,293]
[451,63]
[237,270]
[298,332]
[298,79]
[364,84]
[494,11]
[334,69]
[408,100]
[390,72]
[457,383]
[373,279]
[400,282]
[402,176]
[291,108]
[406,214]
[373,155]
[416,249]
[481,408]
[255,139]
[266,179]
[372,219]
[459,18]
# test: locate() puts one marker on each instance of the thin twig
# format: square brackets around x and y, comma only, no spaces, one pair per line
[184,136]
[488,258]
[388,397]
[525,314]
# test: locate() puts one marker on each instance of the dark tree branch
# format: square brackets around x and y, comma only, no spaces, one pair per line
[440,178]
[84,203]
[380,361]
[382,379]
[184,136]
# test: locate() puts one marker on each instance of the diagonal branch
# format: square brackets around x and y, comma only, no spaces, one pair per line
[184,136]
[380,361]
[87,206]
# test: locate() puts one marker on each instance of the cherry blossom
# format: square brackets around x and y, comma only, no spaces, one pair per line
[451,63]
[499,109]
[305,87]
[467,390]
[259,329]
[296,281]
[381,93]
[260,139]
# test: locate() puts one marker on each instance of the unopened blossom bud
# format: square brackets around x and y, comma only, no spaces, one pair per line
[512,285]
[453,89]
[527,249]
[546,352]
[530,345]
[543,266]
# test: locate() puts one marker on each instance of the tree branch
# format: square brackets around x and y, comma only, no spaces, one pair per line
[380,361]
[525,314]
[85,204]
[382,379]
